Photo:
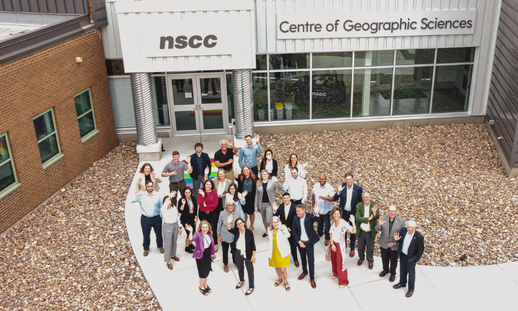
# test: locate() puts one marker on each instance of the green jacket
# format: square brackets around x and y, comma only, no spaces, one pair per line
[360,208]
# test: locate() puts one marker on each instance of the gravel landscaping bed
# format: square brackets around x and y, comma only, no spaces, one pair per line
[73,252]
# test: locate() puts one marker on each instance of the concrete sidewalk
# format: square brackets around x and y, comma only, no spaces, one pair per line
[472,288]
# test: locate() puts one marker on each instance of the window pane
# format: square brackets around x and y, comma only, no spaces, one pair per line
[451,88]
[4,151]
[185,120]
[86,124]
[374,58]
[372,88]
[48,148]
[412,57]
[211,91]
[230,97]
[6,175]
[83,103]
[289,61]
[332,60]
[44,125]
[261,61]
[412,90]
[292,90]
[459,55]
[259,85]
[213,119]
[331,94]
[160,101]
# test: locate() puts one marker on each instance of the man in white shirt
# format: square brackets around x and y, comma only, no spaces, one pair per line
[297,187]
[410,251]
[322,195]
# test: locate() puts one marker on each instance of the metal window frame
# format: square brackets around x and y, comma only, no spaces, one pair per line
[94,131]
[59,155]
[10,162]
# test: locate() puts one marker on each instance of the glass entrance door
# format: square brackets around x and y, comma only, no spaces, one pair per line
[199,104]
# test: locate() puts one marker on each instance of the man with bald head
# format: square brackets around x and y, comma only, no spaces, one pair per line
[411,248]
[322,195]
[388,225]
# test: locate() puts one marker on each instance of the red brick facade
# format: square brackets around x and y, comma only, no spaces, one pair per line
[50,79]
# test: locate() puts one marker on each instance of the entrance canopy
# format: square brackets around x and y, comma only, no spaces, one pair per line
[168,36]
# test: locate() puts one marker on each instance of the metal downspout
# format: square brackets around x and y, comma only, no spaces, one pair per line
[243,102]
[143,105]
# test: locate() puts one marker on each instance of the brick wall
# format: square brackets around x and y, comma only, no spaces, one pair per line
[50,79]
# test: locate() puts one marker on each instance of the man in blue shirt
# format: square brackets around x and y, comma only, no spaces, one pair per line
[248,155]
[150,204]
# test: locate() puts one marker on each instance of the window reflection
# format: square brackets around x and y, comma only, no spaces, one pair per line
[332,60]
[289,61]
[451,88]
[291,94]
[372,90]
[331,94]
[374,58]
[412,90]
[458,55]
[414,57]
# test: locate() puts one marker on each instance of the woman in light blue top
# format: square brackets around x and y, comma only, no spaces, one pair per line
[237,198]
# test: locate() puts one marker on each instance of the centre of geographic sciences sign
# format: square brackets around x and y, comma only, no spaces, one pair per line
[376,24]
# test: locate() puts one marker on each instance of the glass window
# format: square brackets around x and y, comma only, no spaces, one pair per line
[414,57]
[289,61]
[230,97]
[85,113]
[47,136]
[451,88]
[291,89]
[115,67]
[331,94]
[7,172]
[459,55]
[160,101]
[261,62]
[332,60]
[373,58]
[372,90]
[412,90]
[260,90]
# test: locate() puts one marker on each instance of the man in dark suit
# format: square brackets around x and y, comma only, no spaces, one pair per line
[305,235]
[410,250]
[286,213]
[349,194]
[200,162]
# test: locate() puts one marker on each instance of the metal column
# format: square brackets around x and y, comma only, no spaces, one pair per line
[143,105]
[243,102]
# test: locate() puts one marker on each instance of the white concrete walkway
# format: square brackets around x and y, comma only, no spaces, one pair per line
[437,288]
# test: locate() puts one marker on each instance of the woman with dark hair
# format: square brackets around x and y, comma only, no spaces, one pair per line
[243,248]
[338,233]
[202,253]
[246,185]
[293,161]
[265,197]
[146,173]
[171,228]
[269,164]
[189,211]
[237,198]
[208,203]
[221,184]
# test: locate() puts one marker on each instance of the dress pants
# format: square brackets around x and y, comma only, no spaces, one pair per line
[225,247]
[196,181]
[352,236]
[406,268]
[230,175]
[170,232]
[389,256]
[324,220]
[366,240]
[267,213]
[148,223]
[177,186]
[293,247]
[296,202]
[308,251]
[256,172]
[336,264]
[241,261]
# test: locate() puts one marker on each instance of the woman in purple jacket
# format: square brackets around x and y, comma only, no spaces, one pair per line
[202,252]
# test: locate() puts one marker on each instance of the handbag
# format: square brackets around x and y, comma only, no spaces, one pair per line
[328,253]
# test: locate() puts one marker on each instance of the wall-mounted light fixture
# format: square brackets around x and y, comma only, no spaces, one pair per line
[79,59]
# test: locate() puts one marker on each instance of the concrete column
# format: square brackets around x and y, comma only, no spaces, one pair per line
[149,146]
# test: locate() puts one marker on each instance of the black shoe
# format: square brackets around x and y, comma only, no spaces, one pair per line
[208,289]
[383,273]
[297,264]
[396,286]
[204,292]
[191,246]
[392,278]
[264,236]
[189,250]
[409,293]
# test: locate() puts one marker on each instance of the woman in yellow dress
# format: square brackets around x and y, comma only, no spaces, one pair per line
[279,250]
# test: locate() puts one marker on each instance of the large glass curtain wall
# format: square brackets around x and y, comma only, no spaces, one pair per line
[361,84]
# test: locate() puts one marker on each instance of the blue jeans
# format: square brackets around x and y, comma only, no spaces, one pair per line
[324,220]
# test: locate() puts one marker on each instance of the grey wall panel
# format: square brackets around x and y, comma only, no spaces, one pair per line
[46,6]
[24,5]
[503,96]
[60,6]
[42,5]
[51,5]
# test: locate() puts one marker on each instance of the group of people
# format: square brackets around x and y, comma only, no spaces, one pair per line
[221,209]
